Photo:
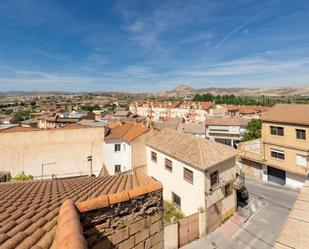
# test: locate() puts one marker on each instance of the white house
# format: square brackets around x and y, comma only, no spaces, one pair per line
[226,130]
[121,142]
[195,173]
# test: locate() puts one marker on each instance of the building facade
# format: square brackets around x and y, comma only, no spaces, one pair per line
[62,152]
[285,139]
[226,131]
[207,174]
[125,147]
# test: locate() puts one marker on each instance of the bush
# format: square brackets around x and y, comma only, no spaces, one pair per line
[22,177]
[171,211]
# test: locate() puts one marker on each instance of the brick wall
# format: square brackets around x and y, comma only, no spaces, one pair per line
[137,223]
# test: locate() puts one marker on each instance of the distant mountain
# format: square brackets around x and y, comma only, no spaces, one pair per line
[185,90]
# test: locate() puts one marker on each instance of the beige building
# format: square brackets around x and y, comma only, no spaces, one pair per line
[250,158]
[190,166]
[285,139]
[62,152]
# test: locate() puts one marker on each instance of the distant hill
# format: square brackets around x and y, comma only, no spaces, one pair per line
[184,90]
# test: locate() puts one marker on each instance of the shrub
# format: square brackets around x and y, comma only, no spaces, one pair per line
[171,211]
[22,177]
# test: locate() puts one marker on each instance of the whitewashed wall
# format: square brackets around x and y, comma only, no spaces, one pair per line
[112,157]
[192,195]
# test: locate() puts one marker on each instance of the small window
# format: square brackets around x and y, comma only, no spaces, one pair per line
[169,165]
[188,175]
[117,147]
[301,160]
[300,134]
[153,156]
[277,131]
[176,200]
[214,178]
[228,189]
[117,169]
[277,154]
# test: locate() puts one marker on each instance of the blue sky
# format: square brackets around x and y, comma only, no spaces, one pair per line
[141,45]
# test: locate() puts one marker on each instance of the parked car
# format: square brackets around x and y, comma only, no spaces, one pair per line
[242,195]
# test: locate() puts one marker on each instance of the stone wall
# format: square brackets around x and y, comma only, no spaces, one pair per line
[137,223]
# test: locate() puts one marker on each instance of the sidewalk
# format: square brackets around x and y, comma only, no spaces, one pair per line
[217,237]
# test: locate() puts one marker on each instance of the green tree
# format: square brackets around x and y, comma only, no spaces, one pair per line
[20,116]
[254,128]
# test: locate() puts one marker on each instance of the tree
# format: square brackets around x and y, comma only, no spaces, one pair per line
[20,116]
[254,128]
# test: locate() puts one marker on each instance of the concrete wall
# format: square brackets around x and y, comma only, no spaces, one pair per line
[112,157]
[227,171]
[138,149]
[67,148]
[171,236]
[137,223]
[294,181]
[174,182]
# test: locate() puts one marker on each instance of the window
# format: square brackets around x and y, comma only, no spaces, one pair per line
[169,165]
[188,175]
[300,134]
[176,200]
[277,154]
[228,189]
[275,130]
[301,160]
[153,156]
[117,169]
[214,178]
[117,147]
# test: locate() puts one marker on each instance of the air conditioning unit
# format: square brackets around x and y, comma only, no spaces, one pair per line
[222,183]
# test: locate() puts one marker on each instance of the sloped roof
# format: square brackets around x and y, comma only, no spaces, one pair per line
[288,113]
[127,131]
[199,152]
[29,210]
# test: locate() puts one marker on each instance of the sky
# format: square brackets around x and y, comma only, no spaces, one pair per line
[152,45]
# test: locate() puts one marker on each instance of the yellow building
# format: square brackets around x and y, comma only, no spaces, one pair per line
[285,130]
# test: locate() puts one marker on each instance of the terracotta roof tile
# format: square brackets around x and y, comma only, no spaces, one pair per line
[288,113]
[30,210]
[198,152]
[127,131]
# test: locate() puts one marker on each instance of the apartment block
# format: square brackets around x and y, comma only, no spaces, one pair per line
[285,139]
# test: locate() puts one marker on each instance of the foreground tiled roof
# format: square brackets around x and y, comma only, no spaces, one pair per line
[288,113]
[127,131]
[199,152]
[29,210]
[227,121]
[294,233]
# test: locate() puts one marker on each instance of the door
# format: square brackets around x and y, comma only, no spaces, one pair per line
[188,229]
[276,175]
[214,217]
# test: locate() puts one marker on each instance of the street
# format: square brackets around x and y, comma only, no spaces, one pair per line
[270,206]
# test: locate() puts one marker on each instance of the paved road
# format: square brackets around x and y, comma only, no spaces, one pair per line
[263,227]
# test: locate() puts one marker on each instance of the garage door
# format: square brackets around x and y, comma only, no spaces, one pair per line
[276,175]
